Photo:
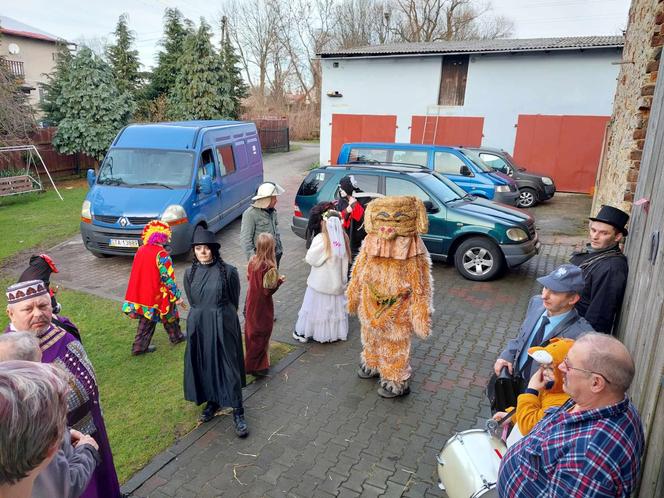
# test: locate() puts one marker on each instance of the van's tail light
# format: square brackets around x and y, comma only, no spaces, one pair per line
[297,212]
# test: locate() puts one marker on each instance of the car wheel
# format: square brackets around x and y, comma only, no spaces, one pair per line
[527,197]
[479,259]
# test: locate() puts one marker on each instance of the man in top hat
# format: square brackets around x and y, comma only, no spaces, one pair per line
[551,314]
[261,217]
[604,269]
[351,206]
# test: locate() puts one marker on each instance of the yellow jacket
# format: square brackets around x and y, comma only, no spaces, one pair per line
[530,408]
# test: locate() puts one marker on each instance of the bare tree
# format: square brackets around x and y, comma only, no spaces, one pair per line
[437,20]
[254,25]
[361,22]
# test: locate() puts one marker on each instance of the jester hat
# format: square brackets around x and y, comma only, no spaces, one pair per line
[156,232]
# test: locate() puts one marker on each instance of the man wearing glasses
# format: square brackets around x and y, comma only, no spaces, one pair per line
[552,314]
[592,445]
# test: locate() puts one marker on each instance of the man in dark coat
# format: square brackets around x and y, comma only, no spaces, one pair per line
[604,268]
[351,205]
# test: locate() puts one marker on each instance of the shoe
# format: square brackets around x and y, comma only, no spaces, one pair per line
[178,341]
[391,389]
[241,428]
[208,412]
[299,337]
[365,372]
[149,349]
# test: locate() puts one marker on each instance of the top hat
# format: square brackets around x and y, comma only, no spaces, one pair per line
[267,189]
[565,278]
[204,237]
[613,216]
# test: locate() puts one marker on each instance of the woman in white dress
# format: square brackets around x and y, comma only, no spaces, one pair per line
[323,316]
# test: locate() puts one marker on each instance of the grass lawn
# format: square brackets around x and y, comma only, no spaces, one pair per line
[142,397]
[36,218]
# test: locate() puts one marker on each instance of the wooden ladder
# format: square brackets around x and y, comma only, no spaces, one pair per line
[430,129]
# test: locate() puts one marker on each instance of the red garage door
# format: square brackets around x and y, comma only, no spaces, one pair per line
[361,128]
[449,130]
[566,148]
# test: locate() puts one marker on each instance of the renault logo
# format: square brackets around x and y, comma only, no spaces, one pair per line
[124,222]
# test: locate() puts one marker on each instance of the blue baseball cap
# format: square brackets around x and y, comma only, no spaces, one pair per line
[565,278]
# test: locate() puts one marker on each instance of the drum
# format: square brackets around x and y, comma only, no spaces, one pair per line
[468,464]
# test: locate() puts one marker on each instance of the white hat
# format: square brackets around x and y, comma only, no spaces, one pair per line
[267,189]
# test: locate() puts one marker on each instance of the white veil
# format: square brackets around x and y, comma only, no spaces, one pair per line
[336,234]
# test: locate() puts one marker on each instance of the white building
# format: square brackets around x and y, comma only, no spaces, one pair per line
[547,101]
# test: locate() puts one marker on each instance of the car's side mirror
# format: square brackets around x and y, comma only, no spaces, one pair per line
[465,170]
[430,207]
[205,184]
[91,177]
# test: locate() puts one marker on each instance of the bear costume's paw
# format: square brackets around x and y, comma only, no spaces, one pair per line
[392,389]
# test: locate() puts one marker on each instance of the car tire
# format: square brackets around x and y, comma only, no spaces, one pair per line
[479,259]
[527,198]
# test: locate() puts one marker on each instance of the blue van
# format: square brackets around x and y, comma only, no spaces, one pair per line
[187,174]
[463,166]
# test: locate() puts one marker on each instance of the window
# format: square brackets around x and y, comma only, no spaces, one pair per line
[453,80]
[397,186]
[365,183]
[226,159]
[496,162]
[207,165]
[312,183]
[418,157]
[447,163]
[367,156]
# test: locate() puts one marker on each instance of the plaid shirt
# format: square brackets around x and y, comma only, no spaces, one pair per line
[593,453]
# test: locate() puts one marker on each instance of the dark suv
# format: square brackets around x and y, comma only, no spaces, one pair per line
[481,237]
[533,187]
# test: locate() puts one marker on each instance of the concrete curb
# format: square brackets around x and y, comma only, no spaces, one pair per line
[164,458]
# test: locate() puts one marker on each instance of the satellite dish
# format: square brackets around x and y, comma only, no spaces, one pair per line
[13,49]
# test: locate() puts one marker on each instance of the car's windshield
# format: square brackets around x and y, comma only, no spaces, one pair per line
[475,157]
[442,188]
[146,168]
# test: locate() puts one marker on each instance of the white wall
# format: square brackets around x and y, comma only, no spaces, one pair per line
[499,88]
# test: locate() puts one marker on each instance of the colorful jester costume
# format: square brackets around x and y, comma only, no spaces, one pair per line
[152,292]
[390,290]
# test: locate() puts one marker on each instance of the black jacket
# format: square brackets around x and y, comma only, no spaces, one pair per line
[605,274]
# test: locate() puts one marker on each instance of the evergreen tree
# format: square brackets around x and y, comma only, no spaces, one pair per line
[176,29]
[124,61]
[53,86]
[199,91]
[92,108]
[234,85]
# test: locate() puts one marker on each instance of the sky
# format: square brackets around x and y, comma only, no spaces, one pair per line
[95,20]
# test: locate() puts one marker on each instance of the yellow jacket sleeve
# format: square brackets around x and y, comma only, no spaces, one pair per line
[530,408]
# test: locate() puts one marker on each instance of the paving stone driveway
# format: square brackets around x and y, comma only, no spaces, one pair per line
[316,428]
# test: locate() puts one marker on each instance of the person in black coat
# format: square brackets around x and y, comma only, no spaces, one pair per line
[604,268]
[214,358]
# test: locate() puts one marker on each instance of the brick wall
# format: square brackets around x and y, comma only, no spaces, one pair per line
[619,171]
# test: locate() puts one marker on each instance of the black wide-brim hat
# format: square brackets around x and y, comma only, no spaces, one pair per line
[613,216]
[204,237]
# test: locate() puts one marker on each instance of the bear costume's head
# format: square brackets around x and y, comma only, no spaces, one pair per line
[389,217]
[551,356]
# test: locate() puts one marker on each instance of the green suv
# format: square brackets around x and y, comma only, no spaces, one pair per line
[481,237]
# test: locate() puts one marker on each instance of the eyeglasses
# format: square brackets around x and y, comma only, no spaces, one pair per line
[569,367]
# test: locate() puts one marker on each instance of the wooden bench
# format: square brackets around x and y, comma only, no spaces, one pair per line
[11,185]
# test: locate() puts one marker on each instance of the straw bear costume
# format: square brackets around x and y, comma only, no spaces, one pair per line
[390,290]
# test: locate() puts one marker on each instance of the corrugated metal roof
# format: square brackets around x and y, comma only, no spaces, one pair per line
[18,28]
[479,46]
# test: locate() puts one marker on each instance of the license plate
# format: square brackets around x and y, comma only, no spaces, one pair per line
[123,243]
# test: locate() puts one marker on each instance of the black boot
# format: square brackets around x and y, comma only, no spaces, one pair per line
[209,411]
[241,428]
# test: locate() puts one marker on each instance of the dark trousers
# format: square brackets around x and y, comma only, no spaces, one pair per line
[145,331]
